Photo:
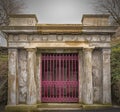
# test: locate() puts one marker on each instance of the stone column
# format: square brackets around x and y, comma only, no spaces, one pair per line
[31,92]
[38,63]
[106,76]
[12,76]
[87,83]
[81,75]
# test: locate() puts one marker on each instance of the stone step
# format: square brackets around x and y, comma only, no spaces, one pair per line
[42,109]
[59,106]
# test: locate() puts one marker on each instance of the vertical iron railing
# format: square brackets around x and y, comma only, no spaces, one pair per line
[60,77]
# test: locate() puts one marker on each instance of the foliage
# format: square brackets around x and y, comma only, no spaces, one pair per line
[3,77]
[115,63]
[115,69]
[8,7]
[111,7]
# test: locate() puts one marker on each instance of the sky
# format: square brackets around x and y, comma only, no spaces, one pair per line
[58,11]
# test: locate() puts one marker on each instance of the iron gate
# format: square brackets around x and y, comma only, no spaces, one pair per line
[60,77]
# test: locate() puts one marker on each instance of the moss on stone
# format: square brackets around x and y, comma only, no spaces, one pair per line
[96,106]
[21,108]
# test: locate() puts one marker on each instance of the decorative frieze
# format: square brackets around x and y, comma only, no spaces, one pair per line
[16,38]
[58,38]
[23,38]
[44,38]
[88,38]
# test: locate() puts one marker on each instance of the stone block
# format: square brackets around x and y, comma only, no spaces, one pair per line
[23,20]
[95,20]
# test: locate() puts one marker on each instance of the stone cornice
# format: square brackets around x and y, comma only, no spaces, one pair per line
[59,29]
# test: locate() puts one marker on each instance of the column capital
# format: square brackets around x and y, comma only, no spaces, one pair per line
[88,49]
[106,51]
[12,48]
[31,49]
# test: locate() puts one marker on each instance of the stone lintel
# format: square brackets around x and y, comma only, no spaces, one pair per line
[88,48]
[31,49]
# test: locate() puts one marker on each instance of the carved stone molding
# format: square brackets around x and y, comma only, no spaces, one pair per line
[30,38]
[88,38]
[10,38]
[23,38]
[44,38]
[16,38]
[74,38]
[31,49]
[30,22]
[59,38]
[103,38]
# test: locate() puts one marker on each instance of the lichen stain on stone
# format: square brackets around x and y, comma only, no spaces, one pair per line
[75,43]
[11,82]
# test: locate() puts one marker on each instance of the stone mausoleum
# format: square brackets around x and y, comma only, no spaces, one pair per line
[66,65]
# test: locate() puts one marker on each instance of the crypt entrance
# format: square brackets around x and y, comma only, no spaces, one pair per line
[58,63]
[59,73]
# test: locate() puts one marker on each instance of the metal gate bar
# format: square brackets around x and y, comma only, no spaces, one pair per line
[60,77]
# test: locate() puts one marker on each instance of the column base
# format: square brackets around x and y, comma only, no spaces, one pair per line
[21,108]
[96,106]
